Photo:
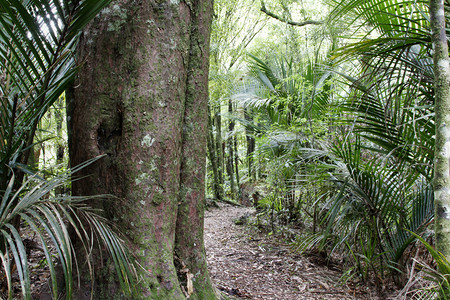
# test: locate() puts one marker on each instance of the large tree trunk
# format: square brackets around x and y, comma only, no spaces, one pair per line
[442,111]
[189,244]
[140,98]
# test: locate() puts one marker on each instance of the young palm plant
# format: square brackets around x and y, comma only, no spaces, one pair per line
[289,100]
[37,45]
[50,219]
[382,168]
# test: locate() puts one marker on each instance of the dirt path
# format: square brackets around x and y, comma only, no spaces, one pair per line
[247,265]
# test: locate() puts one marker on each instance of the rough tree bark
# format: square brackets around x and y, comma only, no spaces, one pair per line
[442,115]
[141,99]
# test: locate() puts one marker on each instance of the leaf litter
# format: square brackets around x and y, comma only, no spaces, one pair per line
[245,263]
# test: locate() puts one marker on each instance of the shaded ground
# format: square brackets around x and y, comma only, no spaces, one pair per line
[248,265]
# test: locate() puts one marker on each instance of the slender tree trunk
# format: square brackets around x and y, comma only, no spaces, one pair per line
[442,115]
[140,98]
[230,170]
[230,161]
[236,161]
[219,144]
[236,166]
[59,119]
[250,147]
[217,187]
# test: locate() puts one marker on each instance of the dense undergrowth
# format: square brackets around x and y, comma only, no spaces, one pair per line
[345,141]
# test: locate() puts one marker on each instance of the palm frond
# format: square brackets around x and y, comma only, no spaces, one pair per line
[375,199]
[387,16]
[37,45]
[51,217]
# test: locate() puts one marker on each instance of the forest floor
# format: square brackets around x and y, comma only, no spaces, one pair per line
[248,263]
[245,263]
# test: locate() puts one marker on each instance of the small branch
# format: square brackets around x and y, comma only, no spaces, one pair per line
[271,14]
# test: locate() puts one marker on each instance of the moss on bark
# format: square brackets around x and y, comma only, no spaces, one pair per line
[442,115]
[189,245]
[143,62]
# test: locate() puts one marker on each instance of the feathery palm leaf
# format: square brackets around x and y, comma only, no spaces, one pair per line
[283,96]
[37,44]
[392,97]
[383,166]
[391,17]
[50,218]
[375,200]
[288,89]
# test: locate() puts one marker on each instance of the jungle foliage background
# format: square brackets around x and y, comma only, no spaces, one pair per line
[321,115]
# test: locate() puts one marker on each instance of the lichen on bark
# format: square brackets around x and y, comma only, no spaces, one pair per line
[189,245]
[442,117]
[140,98]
